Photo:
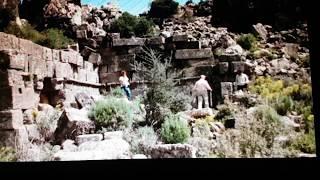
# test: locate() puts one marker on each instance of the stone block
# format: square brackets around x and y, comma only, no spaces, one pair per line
[25,46]
[55,55]
[82,75]
[84,100]
[79,60]
[226,88]
[229,57]
[72,123]
[156,41]
[12,77]
[193,53]
[12,59]
[88,66]
[69,57]
[63,70]
[95,58]
[38,67]
[8,41]
[11,119]
[37,51]
[81,34]
[88,138]
[180,38]
[113,135]
[17,138]
[18,97]
[128,42]
[47,54]
[188,45]
[50,69]
[92,77]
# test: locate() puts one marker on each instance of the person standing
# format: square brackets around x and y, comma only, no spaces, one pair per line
[242,80]
[200,91]
[124,83]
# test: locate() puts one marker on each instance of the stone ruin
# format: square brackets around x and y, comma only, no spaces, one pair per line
[31,75]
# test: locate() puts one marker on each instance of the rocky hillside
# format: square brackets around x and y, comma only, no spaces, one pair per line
[60,98]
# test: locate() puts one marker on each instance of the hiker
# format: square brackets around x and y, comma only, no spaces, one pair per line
[124,83]
[200,91]
[242,80]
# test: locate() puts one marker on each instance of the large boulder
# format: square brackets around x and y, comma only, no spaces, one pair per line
[73,122]
[107,149]
[84,100]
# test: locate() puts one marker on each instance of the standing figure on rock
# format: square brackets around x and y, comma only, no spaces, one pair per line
[200,92]
[242,80]
[124,83]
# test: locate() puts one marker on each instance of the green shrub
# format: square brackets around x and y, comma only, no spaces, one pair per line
[174,130]
[117,92]
[283,105]
[26,32]
[161,97]
[247,41]
[7,154]
[306,143]
[56,39]
[179,102]
[129,25]
[140,139]
[112,113]
[201,129]
[224,113]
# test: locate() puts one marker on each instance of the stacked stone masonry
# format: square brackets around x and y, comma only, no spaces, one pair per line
[27,72]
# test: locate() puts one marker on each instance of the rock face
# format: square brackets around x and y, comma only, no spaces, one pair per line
[172,151]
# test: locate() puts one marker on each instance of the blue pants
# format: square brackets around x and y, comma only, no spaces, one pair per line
[127,90]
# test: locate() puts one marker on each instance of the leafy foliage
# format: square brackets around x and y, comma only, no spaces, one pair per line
[247,41]
[112,113]
[129,25]
[7,154]
[161,97]
[174,130]
[141,138]
[56,39]
[305,143]
[26,31]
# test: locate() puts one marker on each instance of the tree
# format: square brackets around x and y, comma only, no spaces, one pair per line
[163,9]
[129,25]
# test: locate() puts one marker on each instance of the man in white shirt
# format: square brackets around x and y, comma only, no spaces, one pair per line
[200,91]
[242,80]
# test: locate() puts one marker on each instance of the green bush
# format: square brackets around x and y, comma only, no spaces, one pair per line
[201,129]
[129,25]
[283,105]
[7,154]
[224,113]
[306,143]
[163,8]
[117,92]
[56,39]
[161,97]
[112,113]
[247,41]
[26,32]
[174,130]
[140,139]
[179,102]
